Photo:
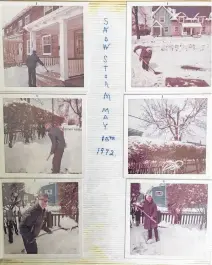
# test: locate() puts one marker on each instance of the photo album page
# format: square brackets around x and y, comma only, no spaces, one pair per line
[106,132]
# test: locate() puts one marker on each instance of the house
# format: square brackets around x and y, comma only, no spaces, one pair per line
[52,190]
[168,22]
[55,32]
[29,198]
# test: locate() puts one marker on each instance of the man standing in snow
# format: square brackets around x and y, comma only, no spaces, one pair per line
[58,145]
[150,221]
[31,63]
[145,55]
[32,222]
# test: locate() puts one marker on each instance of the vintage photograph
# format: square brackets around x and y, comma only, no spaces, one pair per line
[168,219]
[43,46]
[43,135]
[41,217]
[171,46]
[167,135]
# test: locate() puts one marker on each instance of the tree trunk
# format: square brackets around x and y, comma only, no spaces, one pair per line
[136,22]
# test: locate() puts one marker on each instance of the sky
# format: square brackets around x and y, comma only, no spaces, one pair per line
[34,186]
[10,11]
[134,109]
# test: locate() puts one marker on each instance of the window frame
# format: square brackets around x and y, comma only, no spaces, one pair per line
[43,37]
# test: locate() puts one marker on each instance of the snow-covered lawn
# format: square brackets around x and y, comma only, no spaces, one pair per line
[17,76]
[32,158]
[175,240]
[169,55]
[59,242]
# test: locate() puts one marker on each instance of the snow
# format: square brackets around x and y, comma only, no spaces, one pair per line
[32,158]
[68,223]
[169,55]
[175,240]
[191,25]
[17,76]
[59,242]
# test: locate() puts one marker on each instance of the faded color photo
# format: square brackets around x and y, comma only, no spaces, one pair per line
[43,46]
[167,136]
[41,217]
[168,220]
[171,46]
[43,135]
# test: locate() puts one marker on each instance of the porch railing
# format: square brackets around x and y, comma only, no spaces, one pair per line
[75,66]
[50,61]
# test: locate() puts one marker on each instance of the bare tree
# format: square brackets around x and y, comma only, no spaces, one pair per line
[13,195]
[135,14]
[76,106]
[170,116]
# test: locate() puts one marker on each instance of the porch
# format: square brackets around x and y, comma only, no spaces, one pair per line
[58,40]
[190,29]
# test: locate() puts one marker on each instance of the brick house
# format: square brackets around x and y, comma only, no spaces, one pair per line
[167,22]
[55,32]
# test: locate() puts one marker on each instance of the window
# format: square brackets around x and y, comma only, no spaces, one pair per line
[48,9]
[176,29]
[47,45]
[20,24]
[78,44]
[27,19]
[162,19]
[158,193]
[49,192]
[28,47]
[166,29]
[181,19]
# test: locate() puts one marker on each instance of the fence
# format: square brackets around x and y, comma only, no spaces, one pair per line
[186,218]
[75,67]
[189,167]
[20,136]
[52,219]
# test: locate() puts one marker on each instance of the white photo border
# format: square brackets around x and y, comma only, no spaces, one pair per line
[156,90]
[156,259]
[43,175]
[205,176]
[55,90]
[73,257]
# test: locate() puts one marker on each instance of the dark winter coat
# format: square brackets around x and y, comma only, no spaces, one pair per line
[32,221]
[150,208]
[146,53]
[32,61]
[57,138]
[137,215]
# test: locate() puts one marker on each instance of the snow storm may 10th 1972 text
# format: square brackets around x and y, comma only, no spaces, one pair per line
[105,138]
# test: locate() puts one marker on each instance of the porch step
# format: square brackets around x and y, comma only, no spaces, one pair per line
[49,79]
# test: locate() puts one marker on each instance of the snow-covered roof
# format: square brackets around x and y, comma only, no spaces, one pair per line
[20,14]
[191,25]
[164,8]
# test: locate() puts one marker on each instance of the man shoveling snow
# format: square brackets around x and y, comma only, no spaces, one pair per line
[31,63]
[145,55]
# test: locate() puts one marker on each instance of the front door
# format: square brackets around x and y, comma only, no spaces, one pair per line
[20,53]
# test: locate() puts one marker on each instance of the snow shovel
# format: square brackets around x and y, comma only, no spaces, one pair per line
[155,72]
[46,69]
[48,157]
[149,216]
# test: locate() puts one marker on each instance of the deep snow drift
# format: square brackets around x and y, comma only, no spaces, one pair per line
[32,158]
[175,240]
[60,242]
[169,55]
